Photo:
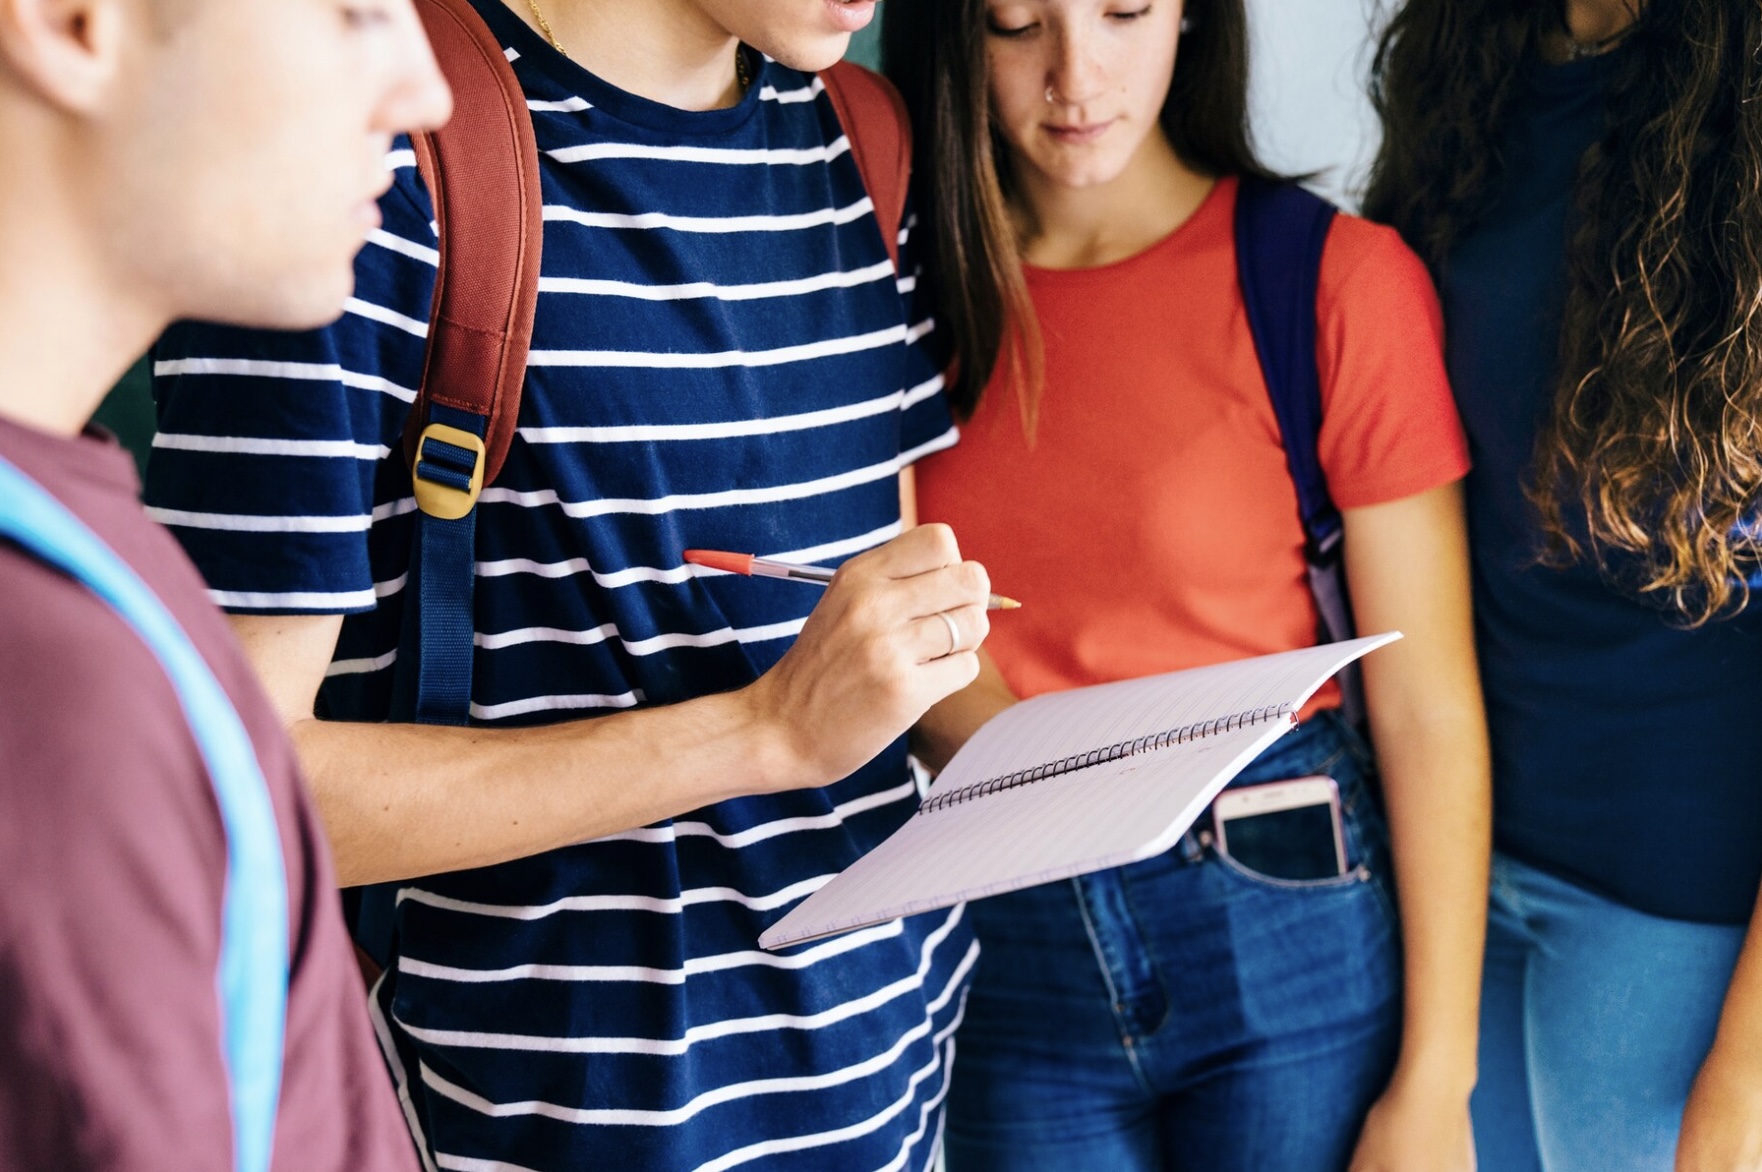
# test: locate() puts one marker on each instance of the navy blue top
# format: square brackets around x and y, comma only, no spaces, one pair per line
[1625,752]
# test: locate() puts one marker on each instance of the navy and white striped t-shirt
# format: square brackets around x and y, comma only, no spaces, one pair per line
[723,357]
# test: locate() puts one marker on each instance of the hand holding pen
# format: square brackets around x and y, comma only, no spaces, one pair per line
[751,565]
[897,632]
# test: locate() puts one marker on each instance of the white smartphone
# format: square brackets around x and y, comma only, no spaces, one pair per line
[1283,829]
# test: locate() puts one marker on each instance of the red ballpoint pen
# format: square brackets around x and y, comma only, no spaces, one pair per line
[751,565]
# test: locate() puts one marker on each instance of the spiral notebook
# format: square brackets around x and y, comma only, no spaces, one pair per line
[1073,782]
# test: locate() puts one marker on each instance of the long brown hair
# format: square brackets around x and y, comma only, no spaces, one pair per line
[1650,464]
[934,51]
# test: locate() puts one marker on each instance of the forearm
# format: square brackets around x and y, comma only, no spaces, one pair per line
[1722,1120]
[1435,774]
[1407,562]
[1739,1039]
[405,800]
[401,801]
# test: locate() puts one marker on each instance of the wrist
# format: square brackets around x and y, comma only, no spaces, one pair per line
[773,747]
[1437,1072]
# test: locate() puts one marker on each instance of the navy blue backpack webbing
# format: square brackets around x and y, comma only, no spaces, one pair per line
[1280,232]
[253,975]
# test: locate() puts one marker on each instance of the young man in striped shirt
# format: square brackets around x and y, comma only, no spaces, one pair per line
[724,357]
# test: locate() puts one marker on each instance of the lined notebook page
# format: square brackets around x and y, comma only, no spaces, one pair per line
[1085,820]
[1064,724]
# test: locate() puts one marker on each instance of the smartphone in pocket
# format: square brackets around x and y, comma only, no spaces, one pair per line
[1283,829]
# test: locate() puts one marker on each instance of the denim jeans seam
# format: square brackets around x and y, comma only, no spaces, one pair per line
[1130,904]
[1386,898]
[1326,768]
[1099,950]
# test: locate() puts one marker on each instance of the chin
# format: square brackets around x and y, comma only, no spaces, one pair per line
[812,54]
[285,301]
[314,316]
[1085,173]
[317,308]
[810,45]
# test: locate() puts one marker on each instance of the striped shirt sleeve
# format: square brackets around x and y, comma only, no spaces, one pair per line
[269,465]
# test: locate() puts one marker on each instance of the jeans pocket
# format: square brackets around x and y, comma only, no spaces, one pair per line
[1363,836]
[1354,877]
[1314,954]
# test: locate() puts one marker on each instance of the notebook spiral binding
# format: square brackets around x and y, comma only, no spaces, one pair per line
[1117,752]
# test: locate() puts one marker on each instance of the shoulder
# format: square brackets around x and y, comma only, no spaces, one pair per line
[115,865]
[1362,260]
[71,635]
[100,763]
[1389,428]
[82,691]
[867,93]
[845,97]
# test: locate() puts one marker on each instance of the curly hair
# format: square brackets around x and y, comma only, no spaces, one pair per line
[1650,464]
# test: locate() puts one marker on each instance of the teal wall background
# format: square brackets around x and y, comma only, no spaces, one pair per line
[866,45]
[128,410]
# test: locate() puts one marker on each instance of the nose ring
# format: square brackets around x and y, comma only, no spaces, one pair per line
[1049,98]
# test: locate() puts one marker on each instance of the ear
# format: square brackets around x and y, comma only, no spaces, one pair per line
[68,52]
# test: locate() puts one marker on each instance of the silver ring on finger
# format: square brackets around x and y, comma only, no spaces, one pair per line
[954,633]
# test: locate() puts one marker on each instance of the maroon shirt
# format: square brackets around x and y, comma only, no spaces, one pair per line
[112,861]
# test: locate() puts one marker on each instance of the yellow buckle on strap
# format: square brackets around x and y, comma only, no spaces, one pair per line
[441,500]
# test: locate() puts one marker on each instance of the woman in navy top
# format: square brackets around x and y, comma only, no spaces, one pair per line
[1585,178]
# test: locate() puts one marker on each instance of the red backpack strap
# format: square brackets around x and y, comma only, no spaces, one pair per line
[874,119]
[482,174]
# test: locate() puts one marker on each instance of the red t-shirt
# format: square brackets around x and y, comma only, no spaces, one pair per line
[112,870]
[1152,524]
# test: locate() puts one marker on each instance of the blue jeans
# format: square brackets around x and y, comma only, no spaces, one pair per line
[1185,1013]
[1594,1020]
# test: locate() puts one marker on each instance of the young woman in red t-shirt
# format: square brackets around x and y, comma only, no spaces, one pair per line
[1122,473]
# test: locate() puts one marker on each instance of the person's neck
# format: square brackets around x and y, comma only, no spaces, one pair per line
[1597,20]
[1063,227]
[1592,24]
[668,51]
[67,330]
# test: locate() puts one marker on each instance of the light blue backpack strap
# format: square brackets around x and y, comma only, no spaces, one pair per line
[253,976]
